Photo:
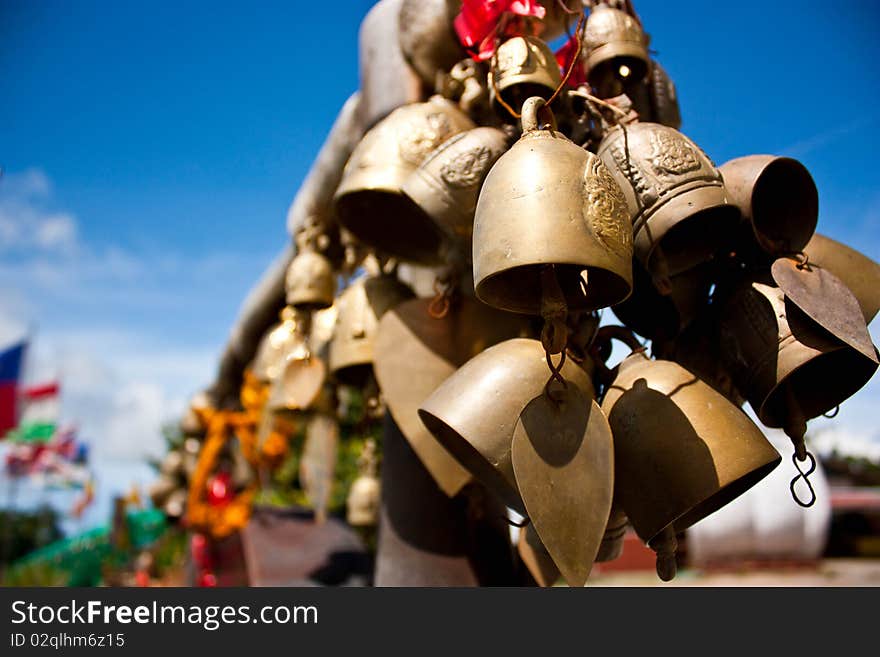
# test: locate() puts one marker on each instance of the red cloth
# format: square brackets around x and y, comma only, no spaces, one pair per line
[8,410]
[477,23]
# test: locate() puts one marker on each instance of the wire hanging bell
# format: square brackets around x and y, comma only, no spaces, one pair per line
[777,197]
[447,184]
[369,201]
[522,67]
[281,340]
[679,207]
[681,451]
[361,306]
[547,201]
[310,283]
[787,366]
[473,413]
[616,50]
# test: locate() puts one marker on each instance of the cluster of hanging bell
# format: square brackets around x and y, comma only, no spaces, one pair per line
[534,195]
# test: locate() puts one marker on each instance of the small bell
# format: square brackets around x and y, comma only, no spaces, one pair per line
[427,40]
[788,367]
[658,316]
[522,67]
[616,50]
[611,546]
[310,283]
[547,201]
[361,306]
[679,208]
[369,201]
[777,196]
[474,411]
[681,451]
[282,340]
[858,272]
[193,421]
[364,495]
[447,184]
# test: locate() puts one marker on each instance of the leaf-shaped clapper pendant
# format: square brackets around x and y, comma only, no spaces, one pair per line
[826,300]
[563,462]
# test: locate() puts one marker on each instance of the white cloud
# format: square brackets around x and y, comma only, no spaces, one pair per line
[26,220]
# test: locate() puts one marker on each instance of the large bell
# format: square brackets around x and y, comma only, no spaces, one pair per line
[777,196]
[523,66]
[788,367]
[676,196]
[361,306]
[447,184]
[369,201]
[415,352]
[474,412]
[616,50]
[282,339]
[310,283]
[547,201]
[858,272]
[681,450]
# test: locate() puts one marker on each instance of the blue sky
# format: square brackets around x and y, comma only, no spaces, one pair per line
[151,154]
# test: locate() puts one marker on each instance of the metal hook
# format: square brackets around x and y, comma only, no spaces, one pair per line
[805,476]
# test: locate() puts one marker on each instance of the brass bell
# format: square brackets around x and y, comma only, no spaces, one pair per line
[777,196]
[415,352]
[547,201]
[616,50]
[281,340]
[193,421]
[659,316]
[474,412]
[522,67]
[362,503]
[447,184]
[361,306]
[788,367]
[369,201]
[310,283]
[859,272]
[681,451]
[676,197]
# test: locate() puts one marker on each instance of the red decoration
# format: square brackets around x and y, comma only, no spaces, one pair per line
[220,489]
[207,580]
[564,56]
[477,24]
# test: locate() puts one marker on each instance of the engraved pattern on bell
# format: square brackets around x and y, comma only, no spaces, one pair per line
[605,209]
[467,169]
[420,137]
[672,156]
[513,56]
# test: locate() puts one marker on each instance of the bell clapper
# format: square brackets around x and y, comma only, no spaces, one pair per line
[554,334]
[665,545]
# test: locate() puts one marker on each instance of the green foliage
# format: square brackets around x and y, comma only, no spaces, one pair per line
[24,532]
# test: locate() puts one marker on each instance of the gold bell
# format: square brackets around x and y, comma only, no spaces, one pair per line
[193,421]
[784,363]
[681,451]
[281,340]
[362,503]
[369,201]
[447,184]
[675,195]
[361,306]
[547,201]
[310,283]
[522,67]
[474,412]
[858,272]
[777,196]
[616,50]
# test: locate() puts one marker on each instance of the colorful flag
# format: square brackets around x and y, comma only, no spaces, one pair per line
[39,416]
[10,373]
